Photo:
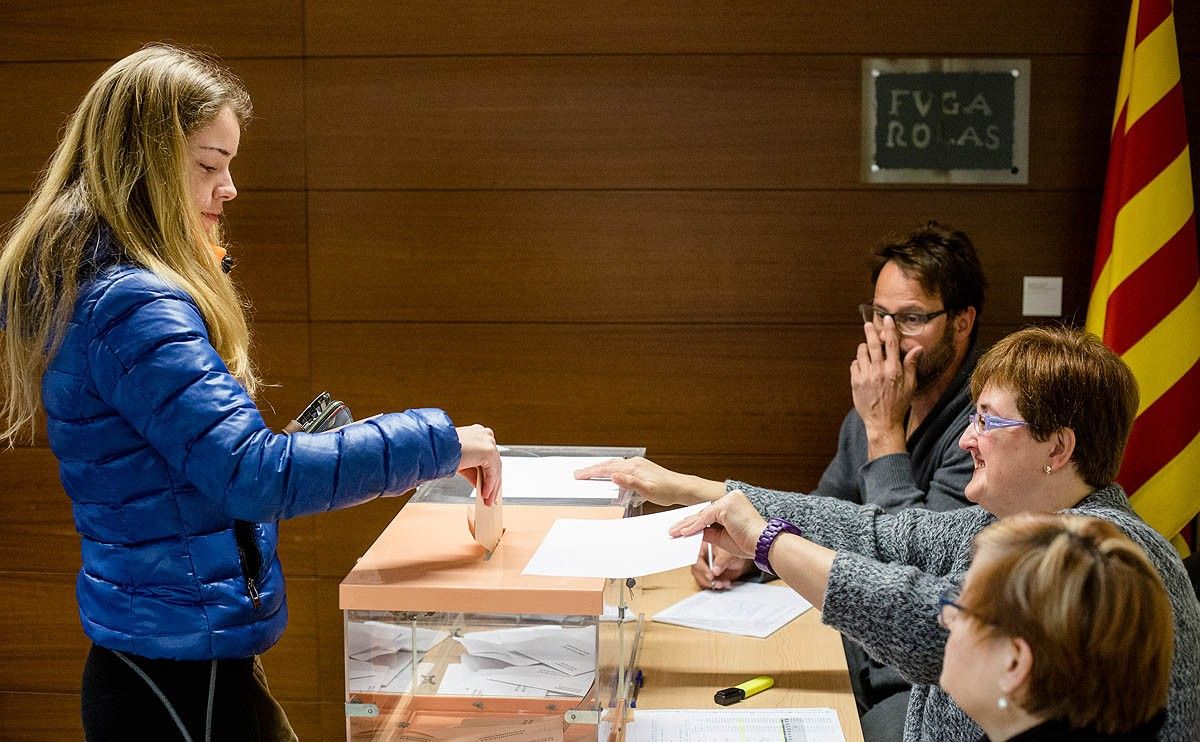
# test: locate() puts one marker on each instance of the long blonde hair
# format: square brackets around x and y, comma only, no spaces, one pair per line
[122,164]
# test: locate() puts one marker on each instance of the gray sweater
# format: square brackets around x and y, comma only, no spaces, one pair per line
[889,571]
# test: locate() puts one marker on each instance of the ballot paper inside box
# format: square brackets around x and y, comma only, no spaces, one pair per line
[544,475]
[445,643]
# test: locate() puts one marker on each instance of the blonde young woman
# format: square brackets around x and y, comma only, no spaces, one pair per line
[1062,631]
[119,323]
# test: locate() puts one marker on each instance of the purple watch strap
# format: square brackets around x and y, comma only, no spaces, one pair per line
[775,526]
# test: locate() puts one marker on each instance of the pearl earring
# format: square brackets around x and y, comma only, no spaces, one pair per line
[1002,703]
[1047,469]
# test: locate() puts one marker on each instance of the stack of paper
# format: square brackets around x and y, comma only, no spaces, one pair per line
[474,729]
[761,725]
[380,655]
[524,661]
[747,608]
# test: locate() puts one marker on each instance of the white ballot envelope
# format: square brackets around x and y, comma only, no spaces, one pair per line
[486,524]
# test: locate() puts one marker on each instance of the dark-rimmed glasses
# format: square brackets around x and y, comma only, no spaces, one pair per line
[907,323]
[946,600]
[982,422]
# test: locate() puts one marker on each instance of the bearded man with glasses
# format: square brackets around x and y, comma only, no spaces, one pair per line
[898,447]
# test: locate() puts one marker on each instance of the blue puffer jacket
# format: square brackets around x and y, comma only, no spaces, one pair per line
[177,483]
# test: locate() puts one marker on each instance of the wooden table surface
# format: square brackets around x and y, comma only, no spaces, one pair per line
[682,668]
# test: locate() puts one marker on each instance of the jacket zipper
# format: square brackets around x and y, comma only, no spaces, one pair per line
[252,589]
[251,586]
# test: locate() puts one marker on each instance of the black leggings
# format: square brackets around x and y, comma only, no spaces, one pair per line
[125,695]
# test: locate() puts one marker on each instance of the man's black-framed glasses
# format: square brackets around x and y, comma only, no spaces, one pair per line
[907,323]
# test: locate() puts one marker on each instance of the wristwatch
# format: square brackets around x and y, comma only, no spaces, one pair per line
[775,526]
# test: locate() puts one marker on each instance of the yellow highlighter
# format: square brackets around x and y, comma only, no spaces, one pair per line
[742,691]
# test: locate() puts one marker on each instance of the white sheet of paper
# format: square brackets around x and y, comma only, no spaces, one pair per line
[554,477]
[392,673]
[570,651]
[761,725]
[548,729]
[540,676]
[475,663]
[460,680]
[502,638]
[358,669]
[505,658]
[367,639]
[628,547]
[370,639]
[500,644]
[747,608]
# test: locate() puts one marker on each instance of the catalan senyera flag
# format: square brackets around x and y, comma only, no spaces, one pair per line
[1145,301]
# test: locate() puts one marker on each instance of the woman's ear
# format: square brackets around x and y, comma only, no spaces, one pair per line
[1063,448]
[1018,667]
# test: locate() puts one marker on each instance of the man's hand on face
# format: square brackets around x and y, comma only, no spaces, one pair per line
[883,386]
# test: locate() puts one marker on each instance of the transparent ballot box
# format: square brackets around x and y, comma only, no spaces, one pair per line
[446,643]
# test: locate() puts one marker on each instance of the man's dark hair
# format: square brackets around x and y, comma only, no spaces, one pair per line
[940,258]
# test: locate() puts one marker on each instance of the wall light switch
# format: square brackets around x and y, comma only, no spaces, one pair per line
[1042,296]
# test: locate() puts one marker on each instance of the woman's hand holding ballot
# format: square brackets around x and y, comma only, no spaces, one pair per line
[665,487]
[480,457]
[731,523]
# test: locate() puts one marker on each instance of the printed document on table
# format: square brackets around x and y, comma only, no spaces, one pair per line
[629,547]
[749,725]
[553,477]
[747,608]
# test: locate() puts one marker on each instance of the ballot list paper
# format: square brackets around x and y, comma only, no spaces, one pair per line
[748,725]
[747,609]
[553,477]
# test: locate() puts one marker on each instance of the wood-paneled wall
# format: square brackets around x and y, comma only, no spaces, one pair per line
[581,223]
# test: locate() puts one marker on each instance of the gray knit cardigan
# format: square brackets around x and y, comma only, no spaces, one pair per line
[889,571]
